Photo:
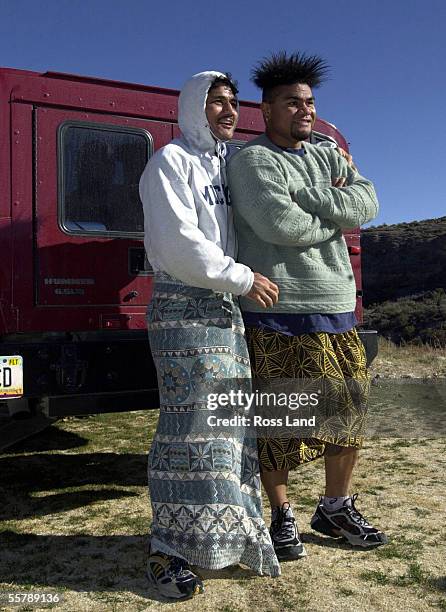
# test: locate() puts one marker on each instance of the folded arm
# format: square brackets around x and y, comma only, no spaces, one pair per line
[348,207]
[260,194]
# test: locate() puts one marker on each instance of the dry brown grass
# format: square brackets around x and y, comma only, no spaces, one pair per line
[75,517]
[409,360]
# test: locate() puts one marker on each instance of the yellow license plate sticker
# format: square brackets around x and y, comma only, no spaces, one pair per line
[11,376]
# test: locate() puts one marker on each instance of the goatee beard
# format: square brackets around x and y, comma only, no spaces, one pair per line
[300,135]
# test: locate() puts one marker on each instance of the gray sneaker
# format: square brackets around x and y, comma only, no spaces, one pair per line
[285,534]
[172,576]
[347,522]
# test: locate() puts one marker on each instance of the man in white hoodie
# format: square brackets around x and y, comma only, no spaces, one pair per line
[204,485]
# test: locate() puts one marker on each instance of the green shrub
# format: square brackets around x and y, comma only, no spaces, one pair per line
[417,319]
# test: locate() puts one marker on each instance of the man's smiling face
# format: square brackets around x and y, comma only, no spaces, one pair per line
[221,112]
[290,114]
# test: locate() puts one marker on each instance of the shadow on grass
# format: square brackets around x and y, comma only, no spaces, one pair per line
[22,478]
[53,438]
[235,572]
[339,543]
[438,583]
[87,563]
[79,563]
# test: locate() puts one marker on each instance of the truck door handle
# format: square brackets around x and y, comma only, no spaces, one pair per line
[130,296]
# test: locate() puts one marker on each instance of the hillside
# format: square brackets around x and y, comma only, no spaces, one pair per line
[403,260]
[404,280]
[420,319]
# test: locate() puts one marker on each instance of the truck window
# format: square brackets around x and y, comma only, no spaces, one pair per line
[99,167]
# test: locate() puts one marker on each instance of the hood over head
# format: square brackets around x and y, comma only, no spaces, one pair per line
[192,118]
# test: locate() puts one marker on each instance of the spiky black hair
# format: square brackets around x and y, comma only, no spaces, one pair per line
[284,69]
[225,80]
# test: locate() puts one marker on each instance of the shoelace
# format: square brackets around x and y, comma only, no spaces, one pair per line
[355,514]
[284,522]
[177,566]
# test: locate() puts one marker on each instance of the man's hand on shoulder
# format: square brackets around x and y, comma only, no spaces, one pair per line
[341,181]
[348,158]
[263,291]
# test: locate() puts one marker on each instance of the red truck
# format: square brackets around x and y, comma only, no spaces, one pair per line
[74,281]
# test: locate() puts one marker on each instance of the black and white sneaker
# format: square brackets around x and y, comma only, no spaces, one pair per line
[348,523]
[285,535]
[172,576]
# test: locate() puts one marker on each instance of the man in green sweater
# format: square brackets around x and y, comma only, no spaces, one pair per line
[291,201]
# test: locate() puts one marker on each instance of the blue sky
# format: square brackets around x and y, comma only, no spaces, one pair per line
[386,92]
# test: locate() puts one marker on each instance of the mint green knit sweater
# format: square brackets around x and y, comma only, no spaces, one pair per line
[289,221]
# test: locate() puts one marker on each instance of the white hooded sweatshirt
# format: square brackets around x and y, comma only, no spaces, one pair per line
[188,223]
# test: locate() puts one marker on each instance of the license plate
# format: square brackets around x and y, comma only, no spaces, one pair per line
[11,376]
